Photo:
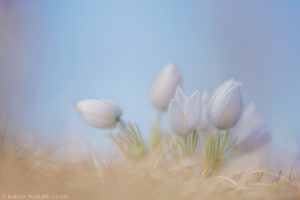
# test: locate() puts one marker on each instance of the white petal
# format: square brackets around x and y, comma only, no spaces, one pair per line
[258,138]
[204,98]
[177,122]
[115,108]
[102,114]
[181,98]
[204,123]
[223,87]
[194,109]
[226,107]
[164,86]
[248,122]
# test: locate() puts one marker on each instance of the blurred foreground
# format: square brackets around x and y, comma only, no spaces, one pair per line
[26,174]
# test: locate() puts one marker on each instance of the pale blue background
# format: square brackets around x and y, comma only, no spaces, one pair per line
[114,49]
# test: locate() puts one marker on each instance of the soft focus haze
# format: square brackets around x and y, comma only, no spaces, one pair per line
[54,53]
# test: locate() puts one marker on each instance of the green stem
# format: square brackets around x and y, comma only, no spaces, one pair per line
[156,131]
[217,153]
[225,141]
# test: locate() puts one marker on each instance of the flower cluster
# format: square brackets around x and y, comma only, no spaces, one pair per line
[218,118]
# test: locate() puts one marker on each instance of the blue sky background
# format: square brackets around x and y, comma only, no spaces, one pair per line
[114,49]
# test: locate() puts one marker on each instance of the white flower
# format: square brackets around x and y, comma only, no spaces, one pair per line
[226,105]
[184,112]
[102,114]
[257,138]
[164,86]
[204,123]
[251,133]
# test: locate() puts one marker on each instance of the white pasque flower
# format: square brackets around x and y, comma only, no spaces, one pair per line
[204,123]
[164,86]
[184,112]
[226,105]
[102,114]
[251,132]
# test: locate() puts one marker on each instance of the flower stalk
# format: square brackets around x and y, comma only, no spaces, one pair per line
[184,146]
[129,141]
[215,147]
[156,132]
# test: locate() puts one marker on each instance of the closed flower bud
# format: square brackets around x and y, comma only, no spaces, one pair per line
[164,86]
[226,105]
[102,114]
[184,112]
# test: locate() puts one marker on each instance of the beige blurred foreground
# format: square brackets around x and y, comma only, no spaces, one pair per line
[26,174]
